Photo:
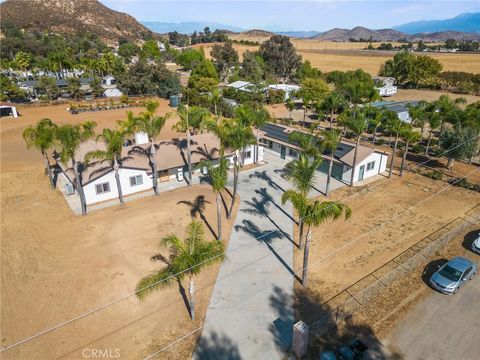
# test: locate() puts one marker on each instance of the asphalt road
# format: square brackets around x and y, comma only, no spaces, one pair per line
[442,326]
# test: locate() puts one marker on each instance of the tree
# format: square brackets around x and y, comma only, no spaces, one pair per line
[433,122]
[215,97]
[375,118]
[357,123]
[301,173]
[306,70]
[253,67]
[127,50]
[333,103]
[74,87]
[151,124]
[290,105]
[396,126]
[225,56]
[70,137]
[114,140]
[189,58]
[315,213]
[23,60]
[42,137]
[49,87]
[96,87]
[218,178]
[204,69]
[459,144]
[312,90]
[191,119]
[256,117]
[188,257]
[331,139]
[145,79]
[410,136]
[280,56]
[150,50]
[9,90]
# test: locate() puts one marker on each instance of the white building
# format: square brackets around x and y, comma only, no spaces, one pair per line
[242,86]
[7,109]
[98,179]
[287,88]
[276,140]
[109,84]
[399,107]
[385,85]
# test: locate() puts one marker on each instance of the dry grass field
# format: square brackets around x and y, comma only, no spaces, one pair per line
[56,265]
[344,56]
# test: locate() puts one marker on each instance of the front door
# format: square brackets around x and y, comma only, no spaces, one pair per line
[283,151]
[362,172]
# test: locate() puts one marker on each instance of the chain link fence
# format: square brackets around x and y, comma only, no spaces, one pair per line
[358,294]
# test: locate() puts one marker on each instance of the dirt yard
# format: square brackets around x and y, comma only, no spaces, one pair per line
[364,247]
[56,266]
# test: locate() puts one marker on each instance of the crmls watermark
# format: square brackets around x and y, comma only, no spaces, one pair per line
[101,353]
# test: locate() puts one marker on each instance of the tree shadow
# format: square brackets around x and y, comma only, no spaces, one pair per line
[197,208]
[266,237]
[430,268]
[282,327]
[216,347]
[262,175]
[424,160]
[267,198]
[469,238]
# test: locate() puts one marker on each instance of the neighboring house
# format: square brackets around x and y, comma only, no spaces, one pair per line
[370,162]
[109,83]
[287,88]
[98,179]
[31,86]
[385,85]
[9,110]
[400,107]
[242,86]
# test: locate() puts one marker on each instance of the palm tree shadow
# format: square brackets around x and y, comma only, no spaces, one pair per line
[216,347]
[197,208]
[262,175]
[282,327]
[266,237]
[266,197]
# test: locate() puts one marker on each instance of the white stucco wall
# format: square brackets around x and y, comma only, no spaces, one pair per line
[380,166]
[275,150]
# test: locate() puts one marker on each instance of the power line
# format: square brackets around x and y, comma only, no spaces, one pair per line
[101,307]
[315,262]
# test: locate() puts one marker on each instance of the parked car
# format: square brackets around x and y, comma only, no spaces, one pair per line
[452,275]
[355,351]
[476,244]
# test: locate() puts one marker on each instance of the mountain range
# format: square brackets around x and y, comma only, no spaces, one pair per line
[187,27]
[469,22]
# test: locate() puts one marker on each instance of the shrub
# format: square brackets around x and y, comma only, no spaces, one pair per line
[435,175]
[465,184]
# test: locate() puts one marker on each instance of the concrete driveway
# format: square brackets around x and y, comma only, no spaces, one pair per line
[250,315]
[442,326]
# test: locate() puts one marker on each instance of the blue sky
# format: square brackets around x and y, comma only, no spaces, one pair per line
[318,15]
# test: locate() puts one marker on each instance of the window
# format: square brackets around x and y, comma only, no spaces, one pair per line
[371,165]
[102,188]
[270,144]
[136,180]
[292,152]
[248,154]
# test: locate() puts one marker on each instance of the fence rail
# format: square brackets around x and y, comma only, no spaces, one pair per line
[358,294]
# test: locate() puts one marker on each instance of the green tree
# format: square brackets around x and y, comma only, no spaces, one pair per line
[331,141]
[459,144]
[23,60]
[280,56]
[225,56]
[150,50]
[333,103]
[114,140]
[396,126]
[70,137]
[306,70]
[9,90]
[96,87]
[74,87]
[206,69]
[215,97]
[375,119]
[312,91]
[253,67]
[42,137]
[49,87]
[290,105]
[189,58]
[254,116]
[433,122]
[188,258]
[151,124]
[410,135]
[357,123]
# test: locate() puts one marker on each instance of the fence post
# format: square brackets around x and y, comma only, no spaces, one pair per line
[300,339]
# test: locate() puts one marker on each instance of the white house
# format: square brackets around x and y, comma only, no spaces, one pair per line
[287,88]
[241,86]
[7,109]
[399,107]
[98,179]
[277,140]
[385,85]
[109,84]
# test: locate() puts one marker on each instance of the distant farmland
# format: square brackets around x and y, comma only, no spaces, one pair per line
[329,55]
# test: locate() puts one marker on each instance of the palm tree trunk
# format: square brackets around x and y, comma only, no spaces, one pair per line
[450,163]
[219,217]
[256,147]
[428,142]
[393,154]
[235,184]
[80,187]
[374,135]
[354,160]
[300,233]
[330,166]
[154,167]
[48,168]
[117,179]
[404,159]
[389,139]
[331,119]
[189,159]
[191,290]
[305,257]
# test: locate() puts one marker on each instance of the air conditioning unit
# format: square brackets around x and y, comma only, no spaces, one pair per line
[69,189]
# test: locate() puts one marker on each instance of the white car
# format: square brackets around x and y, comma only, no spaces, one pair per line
[179,174]
[476,244]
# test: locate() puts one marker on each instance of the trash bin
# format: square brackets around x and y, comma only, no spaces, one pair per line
[174,100]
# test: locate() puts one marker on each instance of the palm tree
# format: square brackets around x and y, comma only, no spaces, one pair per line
[69,138]
[151,124]
[396,126]
[317,212]
[375,118]
[191,120]
[42,137]
[357,123]
[388,117]
[434,122]
[301,173]
[331,139]
[114,140]
[333,103]
[418,114]
[218,177]
[256,117]
[215,97]
[290,104]
[188,257]
[410,136]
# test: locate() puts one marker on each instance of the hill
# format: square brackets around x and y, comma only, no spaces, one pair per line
[469,22]
[360,32]
[186,27]
[257,32]
[66,16]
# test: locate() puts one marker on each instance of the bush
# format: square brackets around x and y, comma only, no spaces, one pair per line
[417,149]
[380,141]
[435,175]
[465,184]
